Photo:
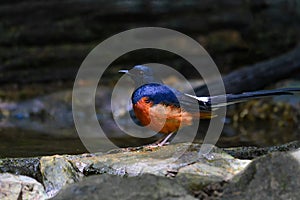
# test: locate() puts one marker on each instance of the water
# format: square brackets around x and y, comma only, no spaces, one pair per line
[44,126]
[16,142]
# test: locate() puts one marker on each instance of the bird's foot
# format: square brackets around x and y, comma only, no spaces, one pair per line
[156,145]
[148,147]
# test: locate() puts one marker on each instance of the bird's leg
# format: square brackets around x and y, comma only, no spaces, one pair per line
[159,143]
[164,141]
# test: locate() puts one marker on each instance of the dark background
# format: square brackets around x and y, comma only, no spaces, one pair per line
[42,43]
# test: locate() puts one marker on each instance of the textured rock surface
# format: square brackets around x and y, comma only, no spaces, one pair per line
[274,176]
[20,187]
[114,187]
[254,152]
[176,171]
[57,172]
[24,166]
[178,161]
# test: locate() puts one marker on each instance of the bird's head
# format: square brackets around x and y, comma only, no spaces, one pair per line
[141,75]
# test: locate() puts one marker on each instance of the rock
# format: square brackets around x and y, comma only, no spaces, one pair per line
[23,166]
[189,169]
[114,187]
[134,172]
[254,152]
[273,176]
[205,172]
[20,187]
[57,172]
[180,162]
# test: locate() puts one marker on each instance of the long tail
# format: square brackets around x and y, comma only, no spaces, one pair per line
[236,98]
[228,99]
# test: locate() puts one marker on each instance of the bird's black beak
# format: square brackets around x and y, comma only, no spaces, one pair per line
[123,71]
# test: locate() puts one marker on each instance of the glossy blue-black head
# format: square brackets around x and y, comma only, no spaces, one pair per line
[141,75]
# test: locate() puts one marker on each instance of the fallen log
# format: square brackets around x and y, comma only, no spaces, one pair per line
[259,75]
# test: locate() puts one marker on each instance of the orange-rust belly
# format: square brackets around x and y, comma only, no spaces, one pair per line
[161,118]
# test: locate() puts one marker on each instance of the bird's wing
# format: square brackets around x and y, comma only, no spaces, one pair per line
[194,104]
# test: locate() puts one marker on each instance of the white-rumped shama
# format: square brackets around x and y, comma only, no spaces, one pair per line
[165,109]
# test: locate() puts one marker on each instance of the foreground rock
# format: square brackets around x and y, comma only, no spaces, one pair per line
[176,171]
[114,187]
[179,161]
[274,176]
[20,187]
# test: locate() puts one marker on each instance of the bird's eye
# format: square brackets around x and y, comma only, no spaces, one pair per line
[147,100]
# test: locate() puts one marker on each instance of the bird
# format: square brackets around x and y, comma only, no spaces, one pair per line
[165,109]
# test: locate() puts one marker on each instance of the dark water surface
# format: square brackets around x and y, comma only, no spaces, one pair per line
[44,126]
[16,142]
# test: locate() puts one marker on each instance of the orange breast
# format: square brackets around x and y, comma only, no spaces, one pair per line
[161,118]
